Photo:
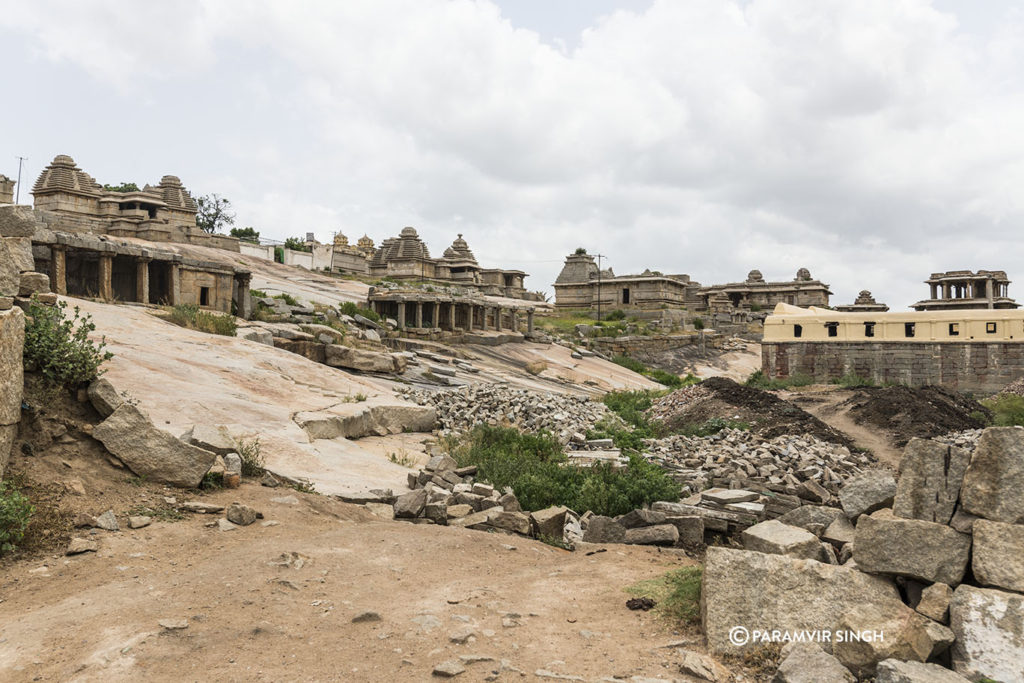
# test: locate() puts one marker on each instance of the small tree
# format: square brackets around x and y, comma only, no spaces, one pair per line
[296,244]
[580,251]
[213,213]
[59,347]
[248,233]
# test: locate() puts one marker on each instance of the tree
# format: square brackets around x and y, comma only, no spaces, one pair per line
[123,187]
[213,213]
[296,244]
[580,251]
[248,233]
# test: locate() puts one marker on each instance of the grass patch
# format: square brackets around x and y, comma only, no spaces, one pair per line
[758,380]
[669,379]
[351,309]
[258,293]
[677,594]
[212,481]
[194,318]
[535,367]
[15,512]
[166,514]
[852,380]
[1007,410]
[537,469]
[287,298]
[402,457]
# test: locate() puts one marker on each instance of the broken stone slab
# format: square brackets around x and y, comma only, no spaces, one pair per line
[776,538]
[989,629]
[897,671]
[436,512]
[766,592]
[139,521]
[601,529]
[516,522]
[998,557]
[813,491]
[886,634]
[151,453]
[201,508]
[104,397]
[549,522]
[840,532]
[459,510]
[931,474]
[993,485]
[913,548]
[366,322]
[807,516]
[934,602]
[339,356]
[867,492]
[702,667]
[256,334]
[214,438]
[659,534]
[356,420]
[640,518]
[726,496]
[385,496]
[409,505]
[108,521]
[690,528]
[808,663]
[33,283]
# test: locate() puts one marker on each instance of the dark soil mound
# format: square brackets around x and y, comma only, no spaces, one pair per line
[907,412]
[767,414]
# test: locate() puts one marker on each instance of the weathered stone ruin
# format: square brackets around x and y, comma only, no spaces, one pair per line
[864,303]
[961,289]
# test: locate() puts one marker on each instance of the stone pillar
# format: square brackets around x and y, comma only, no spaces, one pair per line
[175,295]
[106,285]
[935,290]
[945,291]
[59,270]
[401,315]
[451,316]
[243,306]
[142,280]
[469,317]
[485,325]
[419,315]
[529,322]
[515,319]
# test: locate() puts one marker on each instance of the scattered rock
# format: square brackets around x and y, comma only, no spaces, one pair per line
[269,480]
[108,521]
[808,663]
[78,546]
[549,522]
[214,438]
[285,500]
[602,529]
[201,507]
[998,557]
[901,634]
[410,505]
[449,669]
[173,624]
[701,666]
[104,397]
[225,525]
[777,538]
[242,515]
[139,521]
[660,534]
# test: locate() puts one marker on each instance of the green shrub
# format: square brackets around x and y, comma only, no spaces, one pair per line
[698,323]
[667,378]
[630,364]
[1007,410]
[258,293]
[677,594]
[252,458]
[539,473]
[193,317]
[297,244]
[852,380]
[287,298]
[617,314]
[59,347]
[15,511]
[661,376]
[351,309]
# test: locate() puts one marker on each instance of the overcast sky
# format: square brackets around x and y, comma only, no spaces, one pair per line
[873,142]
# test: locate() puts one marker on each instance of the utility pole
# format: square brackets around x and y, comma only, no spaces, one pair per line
[599,257]
[17,199]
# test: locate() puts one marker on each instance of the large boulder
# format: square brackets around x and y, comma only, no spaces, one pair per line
[33,283]
[410,505]
[754,590]
[989,629]
[659,534]
[12,341]
[808,663]
[897,671]
[104,397]
[921,550]
[866,492]
[602,529]
[152,453]
[20,249]
[17,221]
[777,538]
[998,558]
[993,485]
[10,274]
[212,438]
[639,518]
[930,477]
[339,356]
[549,522]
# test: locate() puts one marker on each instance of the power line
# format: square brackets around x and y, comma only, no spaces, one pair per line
[17,199]
[599,257]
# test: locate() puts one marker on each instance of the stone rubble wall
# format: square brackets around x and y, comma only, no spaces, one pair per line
[960,366]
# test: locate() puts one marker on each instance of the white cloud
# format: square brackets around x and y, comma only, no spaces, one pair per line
[872,142]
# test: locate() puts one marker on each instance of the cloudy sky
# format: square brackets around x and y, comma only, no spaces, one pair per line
[873,142]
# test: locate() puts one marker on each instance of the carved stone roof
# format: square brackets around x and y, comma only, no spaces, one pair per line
[175,194]
[340,240]
[62,175]
[365,242]
[755,276]
[407,245]
[459,251]
[803,274]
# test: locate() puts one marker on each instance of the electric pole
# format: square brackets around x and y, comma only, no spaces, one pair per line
[17,199]
[599,257]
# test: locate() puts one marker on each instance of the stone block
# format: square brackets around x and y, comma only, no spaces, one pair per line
[931,474]
[867,492]
[808,516]
[899,634]
[934,602]
[912,548]
[640,518]
[12,341]
[602,529]
[549,522]
[989,629]
[993,485]
[33,283]
[777,538]
[409,505]
[839,532]
[104,397]
[150,452]
[808,663]
[897,671]
[768,592]
[659,534]
[690,527]
[998,558]
[20,251]
[213,438]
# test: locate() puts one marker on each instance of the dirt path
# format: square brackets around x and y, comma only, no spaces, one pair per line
[825,403]
[255,614]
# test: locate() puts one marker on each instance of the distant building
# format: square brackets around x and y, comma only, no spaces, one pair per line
[756,294]
[962,289]
[580,285]
[865,303]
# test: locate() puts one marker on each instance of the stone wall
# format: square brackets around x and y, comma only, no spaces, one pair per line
[12,339]
[639,346]
[960,366]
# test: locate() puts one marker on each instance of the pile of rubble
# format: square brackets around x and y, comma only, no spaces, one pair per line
[796,465]
[461,410]
[967,439]
[931,563]
[672,403]
[1016,387]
